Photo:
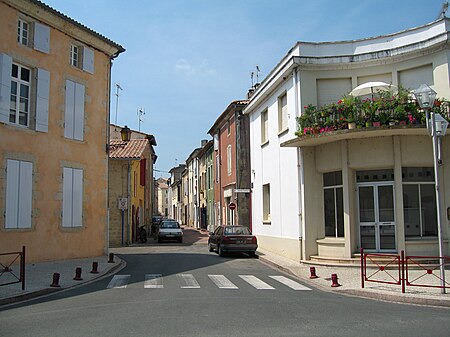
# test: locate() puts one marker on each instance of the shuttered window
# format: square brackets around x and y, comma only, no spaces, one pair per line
[17,90]
[332,90]
[72,213]
[41,37]
[413,78]
[74,111]
[18,194]
[264,126]
[142,164]
[282,113]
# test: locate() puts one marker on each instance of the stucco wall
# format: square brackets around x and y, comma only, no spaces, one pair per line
[47,240]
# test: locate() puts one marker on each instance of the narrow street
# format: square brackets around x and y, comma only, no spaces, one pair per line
[183,290]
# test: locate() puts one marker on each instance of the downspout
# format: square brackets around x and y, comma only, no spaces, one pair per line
[129,220]
[300,171]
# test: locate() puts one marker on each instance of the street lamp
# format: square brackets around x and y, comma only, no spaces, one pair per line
[437,128]
[125,133]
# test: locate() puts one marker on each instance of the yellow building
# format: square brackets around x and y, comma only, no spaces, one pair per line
[131,185]
[54,118]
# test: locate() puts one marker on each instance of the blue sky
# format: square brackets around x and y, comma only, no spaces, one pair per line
[185,61]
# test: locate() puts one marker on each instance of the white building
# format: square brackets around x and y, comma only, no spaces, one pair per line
[377,171]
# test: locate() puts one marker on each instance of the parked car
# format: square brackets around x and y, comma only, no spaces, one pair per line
[236,239]
[169,230]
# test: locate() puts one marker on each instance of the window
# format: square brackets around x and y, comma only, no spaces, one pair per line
[75,56]
[74,111]
[333,204]
[23,32]
[18,194]
[266,203]
[82,57]
[16,90]
[20,95]
[72,197]
[419,202]
[264,127]
[282,113]
[229,160]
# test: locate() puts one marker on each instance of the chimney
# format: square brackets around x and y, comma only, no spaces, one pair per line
[250,93]
[204,142]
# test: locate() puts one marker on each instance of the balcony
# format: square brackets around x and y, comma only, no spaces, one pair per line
[389,114]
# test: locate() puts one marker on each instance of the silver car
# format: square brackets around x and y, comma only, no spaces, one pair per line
[169,230]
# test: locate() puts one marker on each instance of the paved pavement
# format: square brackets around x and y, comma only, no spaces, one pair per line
[39,276]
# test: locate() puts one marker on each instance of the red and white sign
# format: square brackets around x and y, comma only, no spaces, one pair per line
[232,206]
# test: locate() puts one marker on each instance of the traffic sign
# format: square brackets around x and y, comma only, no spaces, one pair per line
[242,190]
[232,206]
[122,203]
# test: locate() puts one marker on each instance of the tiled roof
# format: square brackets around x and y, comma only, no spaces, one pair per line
[85,28]
[133,149]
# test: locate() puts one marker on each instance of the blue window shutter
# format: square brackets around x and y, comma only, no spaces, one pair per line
[5,86]
[67,197]
[41,37]
[69,109]
[88,60]
[77,198]
[43,94]
[78,125]
[25,194]
[12,193]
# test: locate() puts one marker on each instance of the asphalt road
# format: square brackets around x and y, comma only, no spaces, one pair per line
[183,290]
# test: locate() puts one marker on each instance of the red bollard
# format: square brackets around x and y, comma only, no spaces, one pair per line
[111,258]
[94,268]
[55,282]
[312,271]
[77,274]
[334,281]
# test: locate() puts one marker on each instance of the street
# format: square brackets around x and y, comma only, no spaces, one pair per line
[183,290]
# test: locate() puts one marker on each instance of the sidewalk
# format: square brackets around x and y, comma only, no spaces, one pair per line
[349,279]
[39,276]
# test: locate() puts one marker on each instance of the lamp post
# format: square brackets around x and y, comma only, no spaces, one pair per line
[437,127]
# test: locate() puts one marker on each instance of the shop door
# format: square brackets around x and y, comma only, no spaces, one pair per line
[377,217]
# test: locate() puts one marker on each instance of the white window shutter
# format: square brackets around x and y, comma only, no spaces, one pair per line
[67,197]
[69,109]
[77,198]
[25,194]
[42,101]
[78,130]
[41,37]
[88,60]
[5,86]
[12,193]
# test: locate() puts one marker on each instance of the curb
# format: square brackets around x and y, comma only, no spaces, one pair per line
[48,291]
[386,297]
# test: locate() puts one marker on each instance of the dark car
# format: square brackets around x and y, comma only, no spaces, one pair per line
[156,220]
[237,239]
[169,230]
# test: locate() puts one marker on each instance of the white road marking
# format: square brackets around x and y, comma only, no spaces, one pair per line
[189,281]
[153,281]
[222,282]
[255,282]
[119,281]
[290,283]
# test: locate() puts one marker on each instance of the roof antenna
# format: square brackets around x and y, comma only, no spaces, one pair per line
[443,10]
[117,98]
[140,113]
[251,76]
[257,74]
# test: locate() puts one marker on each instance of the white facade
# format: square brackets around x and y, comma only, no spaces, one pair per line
[321,73]
[276,166]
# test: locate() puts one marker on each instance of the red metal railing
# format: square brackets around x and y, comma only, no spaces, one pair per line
[428,272]
[425,268]
[384,267]
[6,269]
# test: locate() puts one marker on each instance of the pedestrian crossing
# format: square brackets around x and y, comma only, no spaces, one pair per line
[188,281]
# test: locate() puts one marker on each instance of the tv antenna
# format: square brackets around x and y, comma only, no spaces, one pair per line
[117,98]
[257,73]
[443,10]
[140,113]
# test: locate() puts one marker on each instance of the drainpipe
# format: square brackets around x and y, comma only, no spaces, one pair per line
[129,222]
